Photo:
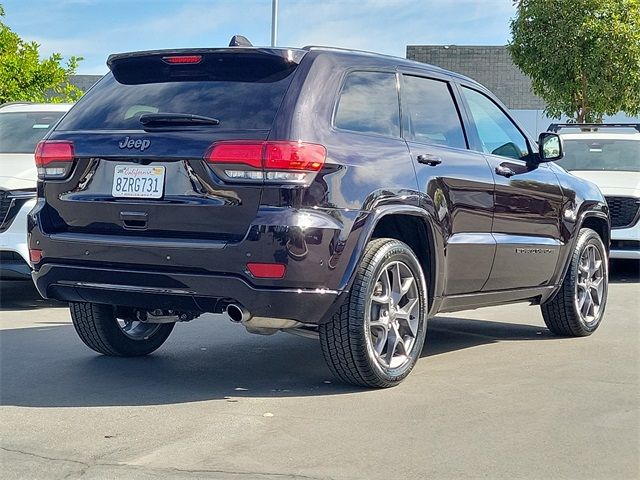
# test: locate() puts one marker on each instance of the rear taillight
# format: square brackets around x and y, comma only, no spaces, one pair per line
[54,159]
[274,162]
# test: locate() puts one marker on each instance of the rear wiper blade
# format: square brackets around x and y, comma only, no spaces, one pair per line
[151,119]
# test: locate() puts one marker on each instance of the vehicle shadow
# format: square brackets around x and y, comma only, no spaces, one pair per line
[450,334]
[22,295]
[208,360]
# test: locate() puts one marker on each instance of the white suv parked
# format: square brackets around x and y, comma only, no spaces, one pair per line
[22,126]
[609,156]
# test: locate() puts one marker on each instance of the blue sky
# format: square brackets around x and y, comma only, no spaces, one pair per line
[95,28]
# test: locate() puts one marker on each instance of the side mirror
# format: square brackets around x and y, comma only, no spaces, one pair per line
[549,147]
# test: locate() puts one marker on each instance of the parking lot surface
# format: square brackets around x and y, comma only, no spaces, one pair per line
[494,396]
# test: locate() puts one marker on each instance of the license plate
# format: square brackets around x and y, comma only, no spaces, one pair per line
[138,182]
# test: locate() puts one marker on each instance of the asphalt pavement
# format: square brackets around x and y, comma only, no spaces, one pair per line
[495,396]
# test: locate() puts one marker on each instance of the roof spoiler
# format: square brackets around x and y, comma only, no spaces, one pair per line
[204,64]
[593,127]
[291,55]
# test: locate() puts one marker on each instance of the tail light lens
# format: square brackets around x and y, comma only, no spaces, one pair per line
[54,159]
[263,161]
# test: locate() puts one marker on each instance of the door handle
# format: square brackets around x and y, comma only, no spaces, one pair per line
[505,171]
[429,159]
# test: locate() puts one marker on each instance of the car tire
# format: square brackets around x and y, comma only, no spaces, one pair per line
[100,329]
[578,307]
[379,318]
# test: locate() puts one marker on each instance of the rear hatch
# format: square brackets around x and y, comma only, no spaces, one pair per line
[140,135]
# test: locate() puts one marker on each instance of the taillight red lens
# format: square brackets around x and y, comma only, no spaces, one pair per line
[267,270]
[294,156]
[54,159]
[280,155]
[50,151]
[182,59]
[245,153]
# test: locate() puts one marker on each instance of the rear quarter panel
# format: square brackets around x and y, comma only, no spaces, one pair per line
[363,172]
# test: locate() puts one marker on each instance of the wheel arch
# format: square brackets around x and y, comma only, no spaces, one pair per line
[597,221]
[411,225]
[600,224]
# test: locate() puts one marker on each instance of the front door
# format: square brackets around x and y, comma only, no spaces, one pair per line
[528,199]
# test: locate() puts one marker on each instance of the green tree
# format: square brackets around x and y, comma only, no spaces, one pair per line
[583,56]
[25,77]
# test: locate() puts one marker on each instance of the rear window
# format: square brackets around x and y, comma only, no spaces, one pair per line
[242,91]
[21,131]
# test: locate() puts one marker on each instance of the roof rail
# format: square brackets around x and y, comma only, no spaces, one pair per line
[594,127]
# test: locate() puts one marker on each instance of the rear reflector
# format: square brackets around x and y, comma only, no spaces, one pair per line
[182,59]
[35,255]
[267,270]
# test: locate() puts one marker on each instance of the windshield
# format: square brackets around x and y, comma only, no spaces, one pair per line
[590,154]
[21,131]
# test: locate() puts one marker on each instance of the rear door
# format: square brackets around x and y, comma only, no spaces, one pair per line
[455,180]
[528,198]
[151,179]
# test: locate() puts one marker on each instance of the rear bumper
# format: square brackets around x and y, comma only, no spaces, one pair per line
[181,291]
[202,275]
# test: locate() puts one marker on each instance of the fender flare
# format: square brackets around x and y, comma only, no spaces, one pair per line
[572,244]
[435,244]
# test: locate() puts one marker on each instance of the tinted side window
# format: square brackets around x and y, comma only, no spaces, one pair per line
[369,104]
[433,117]
[498,134]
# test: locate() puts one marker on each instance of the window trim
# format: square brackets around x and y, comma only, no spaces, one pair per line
[336,102]
[476,145]
[452,92]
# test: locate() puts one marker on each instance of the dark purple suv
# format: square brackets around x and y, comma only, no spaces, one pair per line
[334,193]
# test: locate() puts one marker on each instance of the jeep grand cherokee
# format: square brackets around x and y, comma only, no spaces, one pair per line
[332,193]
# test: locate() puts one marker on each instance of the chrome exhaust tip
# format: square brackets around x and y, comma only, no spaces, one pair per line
[237,313]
